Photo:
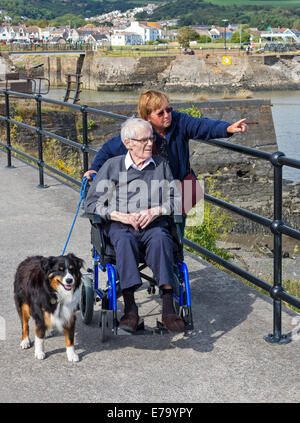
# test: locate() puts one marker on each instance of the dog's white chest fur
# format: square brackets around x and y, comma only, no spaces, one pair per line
[67,302]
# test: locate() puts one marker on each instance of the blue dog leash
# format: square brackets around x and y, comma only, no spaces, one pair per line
[82,195]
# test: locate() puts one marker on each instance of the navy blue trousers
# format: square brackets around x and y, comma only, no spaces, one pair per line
[154,245]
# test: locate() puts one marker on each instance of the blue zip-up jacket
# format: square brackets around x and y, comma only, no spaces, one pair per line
[183,128]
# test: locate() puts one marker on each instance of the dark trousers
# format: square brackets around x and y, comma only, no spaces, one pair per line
[153,244]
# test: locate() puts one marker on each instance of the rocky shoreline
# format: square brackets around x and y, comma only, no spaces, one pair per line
[254,253]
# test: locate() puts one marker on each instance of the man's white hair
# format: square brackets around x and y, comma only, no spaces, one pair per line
[129,127]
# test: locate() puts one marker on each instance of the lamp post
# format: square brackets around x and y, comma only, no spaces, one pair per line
[225,20]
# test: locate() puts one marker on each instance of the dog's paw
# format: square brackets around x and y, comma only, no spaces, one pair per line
[25,344]
[40,355]
[71,355]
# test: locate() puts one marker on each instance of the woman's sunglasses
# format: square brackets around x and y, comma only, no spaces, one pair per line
[162,112]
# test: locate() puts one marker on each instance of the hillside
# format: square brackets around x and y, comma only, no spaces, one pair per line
[256,13]
[197,12]
[51,9]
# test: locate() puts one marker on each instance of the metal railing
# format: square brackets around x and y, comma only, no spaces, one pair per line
[277,226]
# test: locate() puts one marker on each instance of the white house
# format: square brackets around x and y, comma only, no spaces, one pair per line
[34,33]
[46,32]
[123,38]
[97,39]
[148,31]
[215,33]
[6,34]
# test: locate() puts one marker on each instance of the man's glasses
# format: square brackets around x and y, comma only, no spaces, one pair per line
[162,112]
[144,140]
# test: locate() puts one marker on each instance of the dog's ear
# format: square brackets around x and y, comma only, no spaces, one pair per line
[78,261]
[46,264]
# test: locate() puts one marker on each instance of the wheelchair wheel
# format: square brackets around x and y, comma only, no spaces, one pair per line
[103,326]
[177,293]
[87,299]
[183,311]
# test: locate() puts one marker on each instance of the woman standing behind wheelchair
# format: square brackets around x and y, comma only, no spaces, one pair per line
[172,131]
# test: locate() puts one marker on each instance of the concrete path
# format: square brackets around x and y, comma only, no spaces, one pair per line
[225,359]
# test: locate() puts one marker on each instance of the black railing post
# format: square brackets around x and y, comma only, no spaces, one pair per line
[277,337]
[40,140]
[8,141]
[85,141]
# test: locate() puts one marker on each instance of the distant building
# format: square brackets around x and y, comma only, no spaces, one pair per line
[214,33]
[123,38]
[148,31]
[96,39]
[220,32]
[57,40]
[281,34]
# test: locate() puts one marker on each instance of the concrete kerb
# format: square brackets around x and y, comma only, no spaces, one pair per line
[225,358]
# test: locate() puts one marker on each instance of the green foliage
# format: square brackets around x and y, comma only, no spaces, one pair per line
[192,111]
[238,37]
[51,9]
[91,124]
[216,223]
[204,39]
[254,13]
[185,35]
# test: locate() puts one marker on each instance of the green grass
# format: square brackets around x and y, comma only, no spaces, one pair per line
[276,3]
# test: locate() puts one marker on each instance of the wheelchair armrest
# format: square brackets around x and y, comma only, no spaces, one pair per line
[97,237]
[176,233]
[177,218]
[95,219]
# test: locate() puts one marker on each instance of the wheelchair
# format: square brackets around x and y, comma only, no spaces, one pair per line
[104,260]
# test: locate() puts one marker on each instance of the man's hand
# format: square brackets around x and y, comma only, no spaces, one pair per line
[126,218]
[137,220]
[145,217]
[239,126]
[88,174]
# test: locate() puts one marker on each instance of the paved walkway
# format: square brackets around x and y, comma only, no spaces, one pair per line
[225,359]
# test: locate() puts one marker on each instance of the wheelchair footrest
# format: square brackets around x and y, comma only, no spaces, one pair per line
[160,328]
[140,330]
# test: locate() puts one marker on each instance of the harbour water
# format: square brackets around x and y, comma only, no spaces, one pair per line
[285,111]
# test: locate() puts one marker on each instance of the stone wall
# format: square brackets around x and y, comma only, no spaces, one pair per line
[122,73]
[177,73]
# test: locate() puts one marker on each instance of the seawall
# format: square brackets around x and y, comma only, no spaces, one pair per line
[177,73]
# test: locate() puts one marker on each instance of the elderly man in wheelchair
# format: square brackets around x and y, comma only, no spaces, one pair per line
[136,198]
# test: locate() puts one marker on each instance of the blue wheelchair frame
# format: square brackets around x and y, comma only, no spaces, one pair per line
[109,295]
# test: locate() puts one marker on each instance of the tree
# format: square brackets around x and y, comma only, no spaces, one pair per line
[185,35]
[204,39]
[238,37]
[296,24]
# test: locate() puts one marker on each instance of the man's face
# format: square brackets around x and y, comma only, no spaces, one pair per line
[140,147]
[161,118]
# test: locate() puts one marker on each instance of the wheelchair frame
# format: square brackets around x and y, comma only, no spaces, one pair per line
[92,293]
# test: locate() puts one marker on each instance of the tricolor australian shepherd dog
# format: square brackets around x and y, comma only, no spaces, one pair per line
[47,289]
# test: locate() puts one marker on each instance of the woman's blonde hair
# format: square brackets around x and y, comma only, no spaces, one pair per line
[150,100]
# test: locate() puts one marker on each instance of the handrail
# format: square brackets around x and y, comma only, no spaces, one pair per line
[276,225]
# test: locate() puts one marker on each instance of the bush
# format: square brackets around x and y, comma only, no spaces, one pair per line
[216,222]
